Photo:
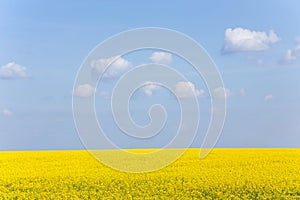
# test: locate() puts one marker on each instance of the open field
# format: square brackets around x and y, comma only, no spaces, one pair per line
[224,174]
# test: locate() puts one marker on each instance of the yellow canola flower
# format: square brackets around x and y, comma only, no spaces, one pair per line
[224,174]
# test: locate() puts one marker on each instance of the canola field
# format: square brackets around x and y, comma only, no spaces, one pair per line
[223,174]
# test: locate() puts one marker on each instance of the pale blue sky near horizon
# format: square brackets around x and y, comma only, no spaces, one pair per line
[52,38]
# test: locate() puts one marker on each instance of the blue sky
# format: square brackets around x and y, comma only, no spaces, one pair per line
[255,44]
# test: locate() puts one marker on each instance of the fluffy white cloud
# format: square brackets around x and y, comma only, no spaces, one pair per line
[161,57]
[221,92]
[150,87]
[84,90]
[240,39]
[292,54]
[7,112]
[118,65]
[187,90]
[13,70]
[269,97]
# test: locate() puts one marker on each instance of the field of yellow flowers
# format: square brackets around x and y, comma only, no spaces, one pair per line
[223,174]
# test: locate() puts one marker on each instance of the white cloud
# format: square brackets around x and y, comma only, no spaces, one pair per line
[118,66]
[289,56]
[259,62]
[221,92]
[292,54]
[150,87]
[256,61]
[161,57]
[186,90]
[242,92]
[7,112]
[269,97]
[13,70]
[104,94]
[240,39]
[84,90]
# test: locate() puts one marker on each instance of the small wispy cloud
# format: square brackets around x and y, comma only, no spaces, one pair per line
[291,54]
[7,112]
[117,65]
[84,90]
[183,89]
[13,70]
[150,87]
[161,57]
[186,89]
[269,97]
[242,92]
[222,92]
